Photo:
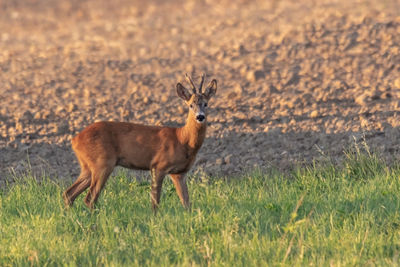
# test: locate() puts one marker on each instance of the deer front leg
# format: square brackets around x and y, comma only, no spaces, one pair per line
[179,181]
[156,185]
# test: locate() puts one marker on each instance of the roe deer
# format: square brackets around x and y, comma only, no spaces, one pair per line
[164,150]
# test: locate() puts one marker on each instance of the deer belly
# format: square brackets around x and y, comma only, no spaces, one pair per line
[134,156]
[133,164]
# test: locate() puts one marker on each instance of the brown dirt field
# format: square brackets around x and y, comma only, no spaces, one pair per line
[298,80]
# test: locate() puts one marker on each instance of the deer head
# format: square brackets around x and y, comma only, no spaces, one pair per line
[197,100]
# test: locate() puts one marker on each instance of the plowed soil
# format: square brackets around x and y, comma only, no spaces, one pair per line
[297,80]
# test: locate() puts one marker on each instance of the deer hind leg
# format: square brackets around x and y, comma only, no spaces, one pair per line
[100,176]
[80,185]
[156,186]
[179,181]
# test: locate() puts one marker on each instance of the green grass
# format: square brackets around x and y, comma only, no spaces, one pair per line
[341,215]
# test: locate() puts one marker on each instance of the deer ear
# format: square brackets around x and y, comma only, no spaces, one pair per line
[183,92]
[211,89]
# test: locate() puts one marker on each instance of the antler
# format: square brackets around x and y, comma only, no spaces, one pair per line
[191,83]
[203,76]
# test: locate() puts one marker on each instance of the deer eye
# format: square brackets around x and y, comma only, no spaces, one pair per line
[205,104]
[191,105]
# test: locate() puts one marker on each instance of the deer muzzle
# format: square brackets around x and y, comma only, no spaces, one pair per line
[200,117]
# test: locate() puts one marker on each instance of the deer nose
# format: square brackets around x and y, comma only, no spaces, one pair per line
[200,117]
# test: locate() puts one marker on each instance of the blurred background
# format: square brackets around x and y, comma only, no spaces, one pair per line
[298,80]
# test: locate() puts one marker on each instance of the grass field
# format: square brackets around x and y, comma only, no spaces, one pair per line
[326,214]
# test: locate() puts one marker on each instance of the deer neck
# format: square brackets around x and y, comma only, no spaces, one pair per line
[193,133]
